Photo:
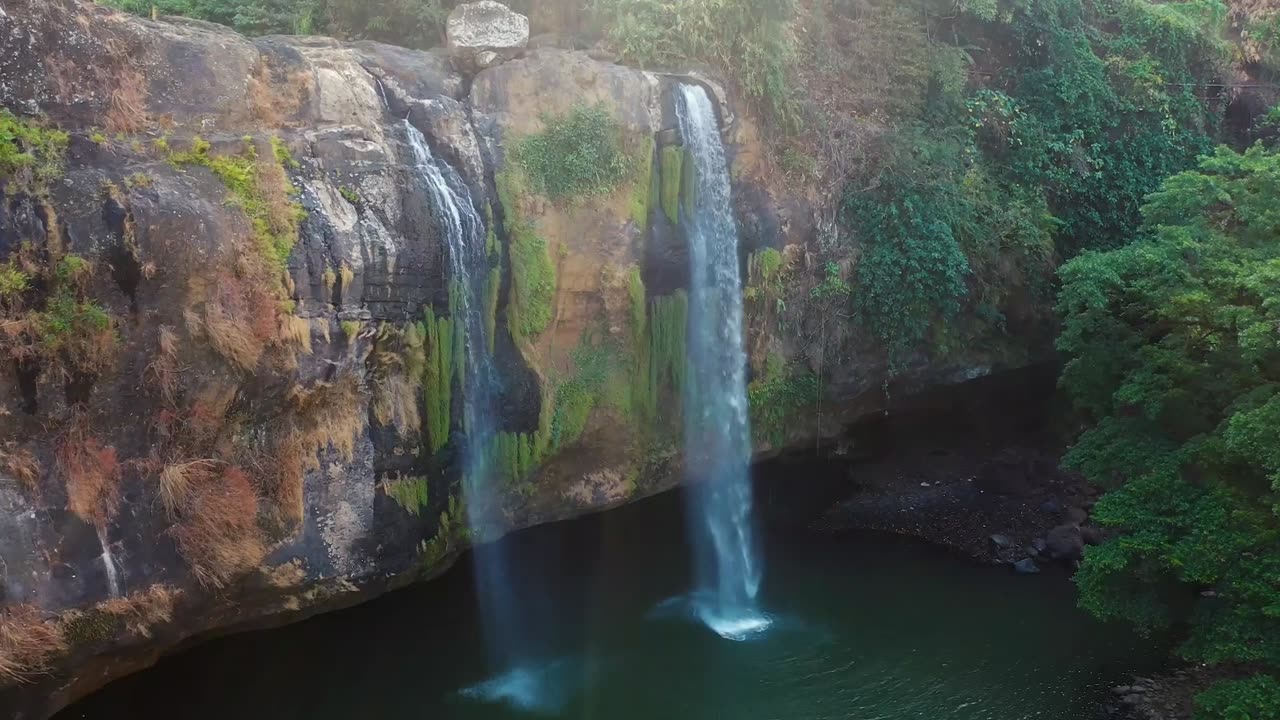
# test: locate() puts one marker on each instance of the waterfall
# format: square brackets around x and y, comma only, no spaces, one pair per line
[465,233]
[717,432]
[109,564]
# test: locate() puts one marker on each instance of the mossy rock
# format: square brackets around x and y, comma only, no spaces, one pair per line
[672,166]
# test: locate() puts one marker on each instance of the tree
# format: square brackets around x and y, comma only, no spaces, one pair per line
[1173,348]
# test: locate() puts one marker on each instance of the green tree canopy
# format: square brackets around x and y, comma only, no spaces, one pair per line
[1173,348]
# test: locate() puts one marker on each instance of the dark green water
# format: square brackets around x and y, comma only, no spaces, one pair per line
[866,627]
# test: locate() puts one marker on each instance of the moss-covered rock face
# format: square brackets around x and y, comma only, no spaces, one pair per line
[231,377]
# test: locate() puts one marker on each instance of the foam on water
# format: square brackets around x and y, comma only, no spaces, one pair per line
[544,689]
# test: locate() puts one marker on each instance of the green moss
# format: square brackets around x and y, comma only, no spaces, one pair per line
[642,186]
[413,351]
[533,276]
[31,157]
[764,275]
[282,154]
[437,384]
[672,166]
[350,329]
[578,395]
[409,493]
[349,194]
[510,458]
[98,138]
[90,627]
[578,154]
[688,181]
[643,400]
[778,400]
[492,285]
[668,326]
[275,229]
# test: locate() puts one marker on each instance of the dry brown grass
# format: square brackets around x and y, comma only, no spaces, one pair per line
[274,189]
[127,109]
[27,643]
[178,480]
[326,416]
[331,415]
[296,332]
[207,416]
[143,610]
[163,369]
[91,472]
[217,533]
[395,402]
[232,337]
[22,465]
[274,104]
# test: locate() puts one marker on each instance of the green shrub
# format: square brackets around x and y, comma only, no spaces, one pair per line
[1171,344]
[13,282]
[29,153]
[1255,698]
[577,155]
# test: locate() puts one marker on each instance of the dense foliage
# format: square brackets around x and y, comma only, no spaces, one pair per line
[417,23]
[1095,104]
[746,38]
[1173,347]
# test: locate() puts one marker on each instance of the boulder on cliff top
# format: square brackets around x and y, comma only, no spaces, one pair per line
[483,34]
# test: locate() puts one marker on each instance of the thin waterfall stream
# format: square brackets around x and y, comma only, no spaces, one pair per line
[465,235]
[717,426]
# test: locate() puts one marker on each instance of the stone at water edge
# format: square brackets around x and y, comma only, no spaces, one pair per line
[1000,542]
[1026,566]
[1064,543]
[486,33]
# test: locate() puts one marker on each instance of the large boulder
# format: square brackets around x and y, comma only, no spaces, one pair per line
[483,34]
[1065,543]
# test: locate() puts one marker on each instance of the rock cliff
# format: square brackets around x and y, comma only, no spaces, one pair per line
[225,330]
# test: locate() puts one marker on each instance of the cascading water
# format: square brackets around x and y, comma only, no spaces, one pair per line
[717,431]
[523,679]
[464,232]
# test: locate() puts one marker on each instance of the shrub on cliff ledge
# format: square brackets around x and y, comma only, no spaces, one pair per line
[577,155]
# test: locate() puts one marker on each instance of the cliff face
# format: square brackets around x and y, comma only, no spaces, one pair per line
[227,395]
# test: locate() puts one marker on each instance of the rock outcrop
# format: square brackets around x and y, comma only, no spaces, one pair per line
[248,421]
[484,33]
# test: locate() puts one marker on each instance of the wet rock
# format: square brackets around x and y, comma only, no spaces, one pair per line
[1091,534]
[1026,566]
[1065,543]
[1052,507]
[1039,544]
[486,33]
[1074,516]
[1000,542]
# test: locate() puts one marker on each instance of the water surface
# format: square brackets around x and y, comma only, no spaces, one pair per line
[867,627]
